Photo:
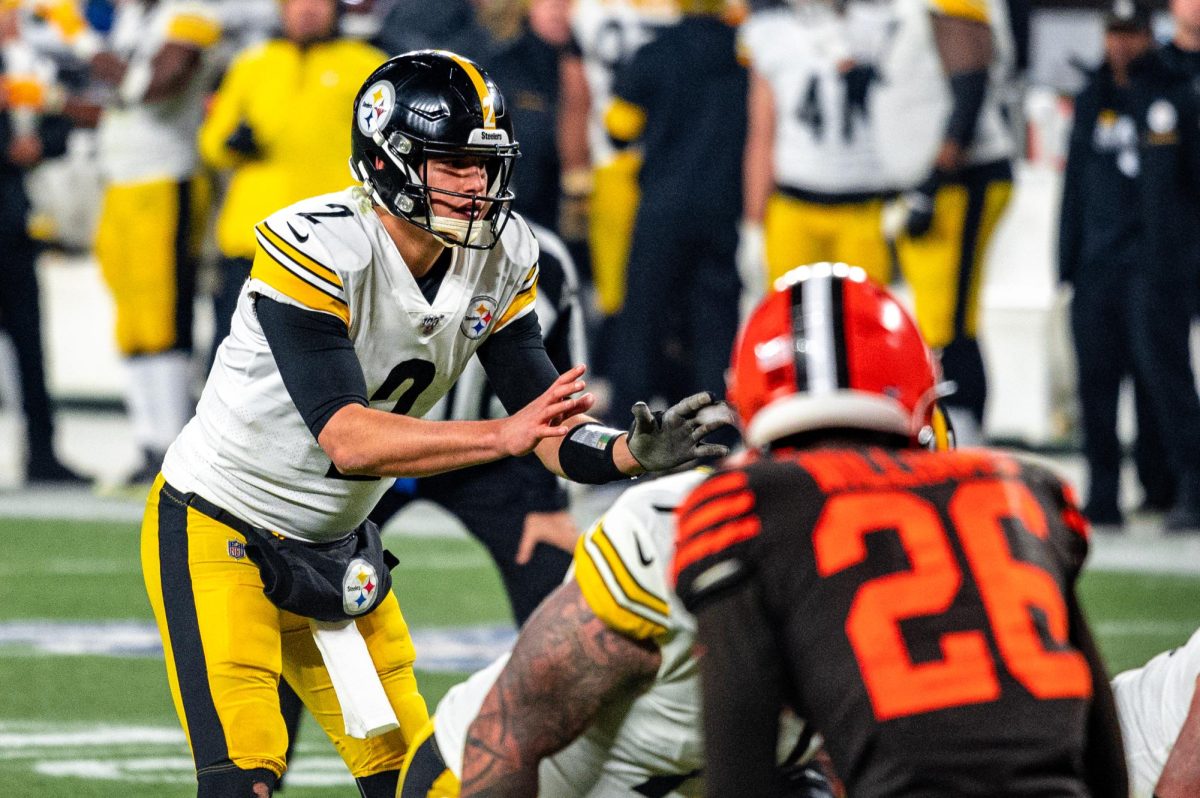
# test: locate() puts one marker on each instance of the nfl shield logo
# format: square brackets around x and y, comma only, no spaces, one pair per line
[237,549]
[429,323]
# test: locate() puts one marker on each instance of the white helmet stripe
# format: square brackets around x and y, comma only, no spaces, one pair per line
[820,357]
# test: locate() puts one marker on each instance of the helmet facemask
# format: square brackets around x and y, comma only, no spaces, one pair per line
[404,189]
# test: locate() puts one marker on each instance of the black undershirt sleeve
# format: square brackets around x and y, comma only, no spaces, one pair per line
[316,359]
[516,363]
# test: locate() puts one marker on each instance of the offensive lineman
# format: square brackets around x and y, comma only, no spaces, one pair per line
[599,696]
[814,182]
[917,607]
[1159,708]
[361,310]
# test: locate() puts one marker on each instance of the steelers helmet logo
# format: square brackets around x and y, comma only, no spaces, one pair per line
[375,107]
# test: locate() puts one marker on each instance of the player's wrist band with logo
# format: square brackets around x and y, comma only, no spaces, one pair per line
[586,454]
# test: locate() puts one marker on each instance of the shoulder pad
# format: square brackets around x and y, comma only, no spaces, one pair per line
[519,244]
[308,251]
[326,225]
[622,562]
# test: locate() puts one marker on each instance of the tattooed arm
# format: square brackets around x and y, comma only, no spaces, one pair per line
[565,665]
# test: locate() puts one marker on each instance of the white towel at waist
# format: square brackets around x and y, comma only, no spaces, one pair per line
[365,706]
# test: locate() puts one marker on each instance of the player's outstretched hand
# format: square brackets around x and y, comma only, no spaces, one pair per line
[662,441]
[542,418]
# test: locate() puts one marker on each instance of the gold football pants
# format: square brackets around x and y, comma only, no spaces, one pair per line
[227,645]
[799,231]
[425,774]
[944,267]
[147,243]
[614,205]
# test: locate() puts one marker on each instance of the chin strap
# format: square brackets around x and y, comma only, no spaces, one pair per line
[462,231]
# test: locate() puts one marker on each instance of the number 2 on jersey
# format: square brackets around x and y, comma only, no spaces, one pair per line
[1010,590]
[419,375]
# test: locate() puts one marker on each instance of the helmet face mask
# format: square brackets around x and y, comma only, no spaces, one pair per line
[433,105]
[828,350]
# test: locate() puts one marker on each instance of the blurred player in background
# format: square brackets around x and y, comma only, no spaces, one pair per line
[681,100]
[917,607]
[814,182]
[945,136]
[151,224]
[312,72]
[32,128]
[532,57]
[599,696]
[1159,708]
[607,33]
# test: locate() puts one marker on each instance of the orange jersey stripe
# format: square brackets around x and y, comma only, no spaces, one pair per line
[715,542]
[721,483]
[713,513]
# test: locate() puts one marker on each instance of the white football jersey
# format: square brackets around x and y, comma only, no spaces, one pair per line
[156,140]
[608,33]
[247,449]
[822,143]
[913,98]
[622,565]
[1152,702]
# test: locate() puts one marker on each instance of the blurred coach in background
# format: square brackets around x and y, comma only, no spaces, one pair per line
[281,103]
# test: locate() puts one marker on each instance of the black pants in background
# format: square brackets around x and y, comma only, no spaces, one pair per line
[1102,328]
[682,279]
[21,318]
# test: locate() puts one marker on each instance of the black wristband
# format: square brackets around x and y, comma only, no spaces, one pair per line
[967,90]
[586,454]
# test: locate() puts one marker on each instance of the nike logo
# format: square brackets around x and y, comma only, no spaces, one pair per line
[300,238]
[641,554]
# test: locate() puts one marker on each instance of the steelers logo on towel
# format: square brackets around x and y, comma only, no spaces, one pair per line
[375,108]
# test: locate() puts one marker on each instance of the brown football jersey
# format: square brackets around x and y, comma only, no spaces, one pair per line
[914,608]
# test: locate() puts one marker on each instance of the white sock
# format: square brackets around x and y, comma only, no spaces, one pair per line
[160,391]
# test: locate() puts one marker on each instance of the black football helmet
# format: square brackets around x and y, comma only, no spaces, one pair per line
[430,104]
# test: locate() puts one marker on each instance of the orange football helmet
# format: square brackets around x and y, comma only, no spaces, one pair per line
[829,349]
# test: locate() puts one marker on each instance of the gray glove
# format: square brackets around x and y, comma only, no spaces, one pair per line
[662,441]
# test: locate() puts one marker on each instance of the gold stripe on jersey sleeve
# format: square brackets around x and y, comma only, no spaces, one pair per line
[530,277]
[486,101]
[307,262]
[605,604]
[973,10]
[520,302]
[633,589]
[282,279]
[194,29]
[623,120]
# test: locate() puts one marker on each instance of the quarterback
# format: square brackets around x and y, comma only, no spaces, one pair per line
[599,696]
[361,309]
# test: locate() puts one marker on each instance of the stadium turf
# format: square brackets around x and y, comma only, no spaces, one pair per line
[84,708]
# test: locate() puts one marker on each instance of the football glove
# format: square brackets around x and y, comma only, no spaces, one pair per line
[667,440]
[242,141]
[912,212]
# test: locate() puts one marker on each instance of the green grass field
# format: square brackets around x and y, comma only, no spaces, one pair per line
[75,722]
